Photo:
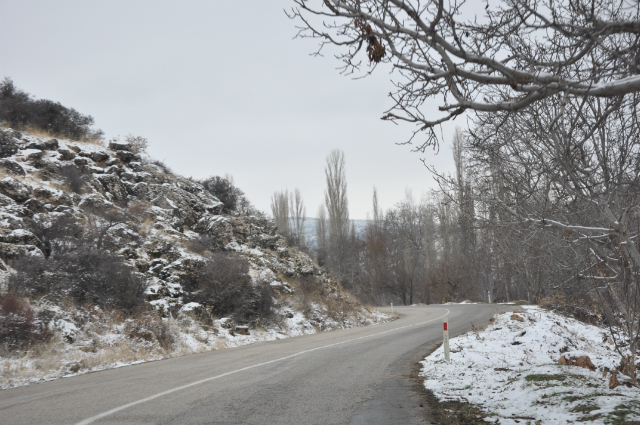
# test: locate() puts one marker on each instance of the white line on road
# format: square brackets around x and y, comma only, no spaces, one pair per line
[144,400]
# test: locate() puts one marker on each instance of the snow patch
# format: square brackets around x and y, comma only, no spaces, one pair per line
[510,370]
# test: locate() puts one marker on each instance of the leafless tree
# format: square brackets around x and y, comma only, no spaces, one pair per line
[570,164]
[338,250]
[335,196]
[321,236]
[289,214]
[298,213]
[463,199]
[375,264]
[280,211]
[100,221]
[504,58]
[410,242]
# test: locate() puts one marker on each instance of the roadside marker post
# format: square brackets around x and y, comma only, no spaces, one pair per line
[489,292]
[445,331]
[391,308]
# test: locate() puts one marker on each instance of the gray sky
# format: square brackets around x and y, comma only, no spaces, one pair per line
[217,87]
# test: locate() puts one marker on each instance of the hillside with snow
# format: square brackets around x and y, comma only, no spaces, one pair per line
[71,210]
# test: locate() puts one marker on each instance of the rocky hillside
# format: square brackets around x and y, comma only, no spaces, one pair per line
[167,229]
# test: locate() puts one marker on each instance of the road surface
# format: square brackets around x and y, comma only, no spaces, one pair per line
[351,376]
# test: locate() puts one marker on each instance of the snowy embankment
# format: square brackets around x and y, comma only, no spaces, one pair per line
[510,371]
[107,341]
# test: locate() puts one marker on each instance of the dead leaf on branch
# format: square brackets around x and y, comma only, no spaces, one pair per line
[375,50]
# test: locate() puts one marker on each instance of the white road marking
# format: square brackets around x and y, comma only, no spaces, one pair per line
[144,400]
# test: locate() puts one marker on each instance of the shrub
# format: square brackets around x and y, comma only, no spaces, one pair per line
[19,110]
[138,144]
[308,285]
[204,243]
[232,198]
[72,177]
[310,290]
[19,329]
[224,190]
[162,165]
[61,235]
[86,277]
[148,329]
[223,283]
[579,308]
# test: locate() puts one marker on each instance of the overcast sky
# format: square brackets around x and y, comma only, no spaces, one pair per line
[217,87]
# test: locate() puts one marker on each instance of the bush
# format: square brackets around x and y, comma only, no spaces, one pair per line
[162,165]
[224,190]
[579,308]
[310,290]
[223,283]
[20,111]
[138,144]
[60,236]
[86,277]
[232,198]
[19,329]
[72,177]
[148,329]
[204,243]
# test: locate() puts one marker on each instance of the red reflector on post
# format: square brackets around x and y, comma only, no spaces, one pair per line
[445,325]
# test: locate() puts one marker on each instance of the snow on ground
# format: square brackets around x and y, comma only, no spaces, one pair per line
[105,342]
[510,370]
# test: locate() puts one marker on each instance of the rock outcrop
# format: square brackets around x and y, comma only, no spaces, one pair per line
[167,216]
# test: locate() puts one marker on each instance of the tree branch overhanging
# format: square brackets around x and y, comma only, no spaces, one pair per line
[511,55]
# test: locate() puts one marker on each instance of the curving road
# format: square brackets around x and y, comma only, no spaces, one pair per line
[352,376]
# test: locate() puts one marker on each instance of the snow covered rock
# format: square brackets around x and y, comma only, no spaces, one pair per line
[66,154]
[10,252]
[7,145]
[15,189]
[115,146]
[12,167]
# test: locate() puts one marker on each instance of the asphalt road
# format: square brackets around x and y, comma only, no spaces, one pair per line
[353,376]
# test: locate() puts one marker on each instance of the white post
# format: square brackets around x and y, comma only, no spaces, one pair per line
[445,331]
[391,308]
[489,292]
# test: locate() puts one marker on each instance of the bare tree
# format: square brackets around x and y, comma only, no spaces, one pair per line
[571,166]
[321,235]
[298,213]
[408,241]
[289,214]
[280,211]
[463,198]
[98,223]
[376,258]
[518,53]
[335,196]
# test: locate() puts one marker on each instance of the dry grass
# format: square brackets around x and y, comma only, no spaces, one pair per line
[58,360]
[584,310]
[336,305]
[107,339]
[44,134]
